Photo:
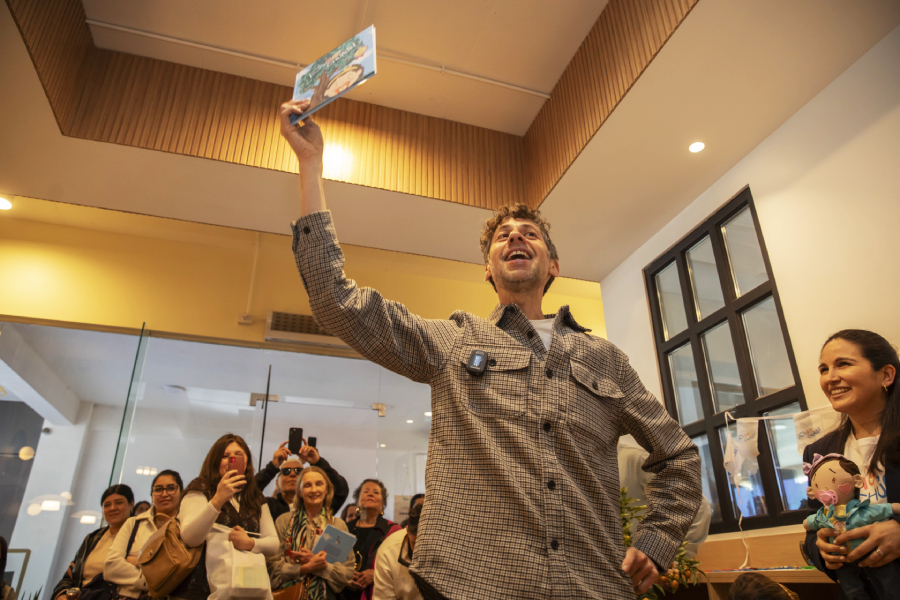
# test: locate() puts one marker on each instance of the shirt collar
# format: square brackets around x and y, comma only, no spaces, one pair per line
[503,312]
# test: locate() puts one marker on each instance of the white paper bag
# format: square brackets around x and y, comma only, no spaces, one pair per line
[220,560]
[249,577]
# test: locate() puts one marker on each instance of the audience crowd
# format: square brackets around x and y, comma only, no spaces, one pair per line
[221,516]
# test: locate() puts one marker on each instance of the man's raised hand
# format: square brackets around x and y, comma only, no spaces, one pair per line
[304,138]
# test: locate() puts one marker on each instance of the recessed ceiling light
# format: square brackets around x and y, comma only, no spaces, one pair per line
[428,414]
[5,204]
[384,445]
[88,519]
[409,420]
[50,505]
[696,147]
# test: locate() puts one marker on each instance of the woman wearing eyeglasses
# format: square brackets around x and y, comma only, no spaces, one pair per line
[121,567]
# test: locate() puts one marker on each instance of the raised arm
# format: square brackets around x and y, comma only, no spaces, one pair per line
[305,139]
[385,332]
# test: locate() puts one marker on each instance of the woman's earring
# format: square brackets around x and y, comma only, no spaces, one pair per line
[382,512]
[884,385]
[357,511]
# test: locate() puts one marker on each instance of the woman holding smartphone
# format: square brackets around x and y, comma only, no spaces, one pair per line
[225,495]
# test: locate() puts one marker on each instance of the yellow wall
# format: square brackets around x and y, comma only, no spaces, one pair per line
[102,268]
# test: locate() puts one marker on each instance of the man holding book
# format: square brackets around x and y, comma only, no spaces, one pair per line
[522,483]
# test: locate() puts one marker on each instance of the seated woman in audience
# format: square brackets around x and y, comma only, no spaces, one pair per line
[349,514]
[858,373]
[300,530]
[392,578]
[227,496]
[141,507]
[87,568]
[121,566]
[370,529]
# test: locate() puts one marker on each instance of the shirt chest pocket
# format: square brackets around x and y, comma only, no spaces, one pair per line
[501,391]
[594,412]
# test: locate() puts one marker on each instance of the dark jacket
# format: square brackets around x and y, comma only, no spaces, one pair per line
[75,572]
[278,506]
[366,553]
[831,443]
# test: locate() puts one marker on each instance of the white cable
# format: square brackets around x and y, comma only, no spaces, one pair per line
[737,490]
[296,66]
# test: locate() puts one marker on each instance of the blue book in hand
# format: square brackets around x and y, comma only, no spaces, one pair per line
[336,73]
[337,544]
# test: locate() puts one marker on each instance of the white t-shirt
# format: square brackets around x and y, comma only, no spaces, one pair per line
[544,329]
[860,452]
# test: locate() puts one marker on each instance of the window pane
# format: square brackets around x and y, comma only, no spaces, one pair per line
[744,254]
[767,350]
[687,390]
[709,477]
[722,368]
[788,462]
[753,500]
[705,279]
[671,302]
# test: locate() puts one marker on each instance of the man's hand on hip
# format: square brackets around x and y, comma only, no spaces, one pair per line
[641,569]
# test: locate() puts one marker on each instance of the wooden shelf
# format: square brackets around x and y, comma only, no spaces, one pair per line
[779,575]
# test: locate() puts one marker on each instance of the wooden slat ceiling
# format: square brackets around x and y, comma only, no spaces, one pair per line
[120,98]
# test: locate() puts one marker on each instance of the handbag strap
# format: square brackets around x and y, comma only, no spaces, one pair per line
[133,535]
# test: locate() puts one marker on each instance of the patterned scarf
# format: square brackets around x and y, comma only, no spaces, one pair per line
[303,535]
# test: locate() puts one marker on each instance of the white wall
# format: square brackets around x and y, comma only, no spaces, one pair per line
[827,190]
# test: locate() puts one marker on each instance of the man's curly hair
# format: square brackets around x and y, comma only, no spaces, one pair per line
[516,211]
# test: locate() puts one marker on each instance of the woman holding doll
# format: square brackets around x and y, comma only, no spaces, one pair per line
[297,566]
[858,374]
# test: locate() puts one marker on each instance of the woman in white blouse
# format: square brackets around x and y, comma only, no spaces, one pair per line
[223,505]
[121,567]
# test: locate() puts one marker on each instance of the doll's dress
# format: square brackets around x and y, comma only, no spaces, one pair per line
[850,516]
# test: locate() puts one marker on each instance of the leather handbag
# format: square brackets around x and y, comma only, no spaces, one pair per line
[166,561]
[297,591]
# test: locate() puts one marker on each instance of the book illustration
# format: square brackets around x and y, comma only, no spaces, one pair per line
[337,544]
[336,73]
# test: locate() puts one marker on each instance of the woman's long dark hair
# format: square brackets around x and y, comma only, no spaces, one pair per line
[210,471]
[879,352]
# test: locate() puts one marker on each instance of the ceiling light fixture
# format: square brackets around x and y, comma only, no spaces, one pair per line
[696,147]
[50,505]
[88,519]
[5,204]
[384,445]
[409,420]
[428,414]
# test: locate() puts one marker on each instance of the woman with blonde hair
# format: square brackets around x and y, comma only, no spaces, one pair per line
[299,531]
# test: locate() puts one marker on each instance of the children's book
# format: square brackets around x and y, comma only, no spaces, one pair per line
[336,73]
[337,544]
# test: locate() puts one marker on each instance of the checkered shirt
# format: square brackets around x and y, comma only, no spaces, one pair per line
[522,479]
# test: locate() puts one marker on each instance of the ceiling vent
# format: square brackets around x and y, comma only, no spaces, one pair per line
[298,329]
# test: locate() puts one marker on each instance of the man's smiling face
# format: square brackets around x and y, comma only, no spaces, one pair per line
[518,259]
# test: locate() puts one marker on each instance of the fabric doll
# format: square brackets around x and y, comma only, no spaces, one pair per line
[835,481]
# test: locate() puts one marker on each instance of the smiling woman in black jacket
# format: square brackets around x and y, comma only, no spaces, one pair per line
[857,372]
[87,568]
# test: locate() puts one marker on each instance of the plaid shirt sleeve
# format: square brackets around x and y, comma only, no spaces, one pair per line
[383,331]
[674,494]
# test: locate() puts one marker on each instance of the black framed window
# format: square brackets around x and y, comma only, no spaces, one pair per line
[723,346]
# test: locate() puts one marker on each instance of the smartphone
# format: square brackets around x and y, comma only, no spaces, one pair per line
[311,441]
[237,463]
[295,440]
